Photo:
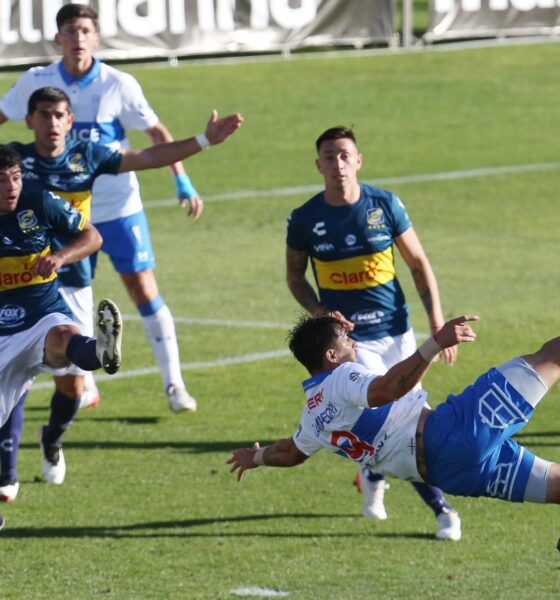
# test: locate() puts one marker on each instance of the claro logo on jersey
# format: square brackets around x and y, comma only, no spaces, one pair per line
[16,271]
[27,221]
[11,315]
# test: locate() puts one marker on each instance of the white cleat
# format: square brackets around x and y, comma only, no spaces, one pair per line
[449,525]
[374,494]
[9,490]
[180,399]
[90,398]
[53,464]
[109,336]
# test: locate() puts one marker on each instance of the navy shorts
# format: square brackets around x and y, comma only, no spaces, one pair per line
[467,442]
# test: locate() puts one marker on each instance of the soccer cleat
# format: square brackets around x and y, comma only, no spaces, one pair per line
[90,397]
[53,464]
[374,493]
[109,336]
[180,399]
[449,525]
[9,488]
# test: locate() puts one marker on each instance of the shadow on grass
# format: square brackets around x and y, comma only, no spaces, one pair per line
[207,447]
[181,528]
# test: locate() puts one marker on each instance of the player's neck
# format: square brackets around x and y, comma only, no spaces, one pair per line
[78,68]
[342,195]
[48,151]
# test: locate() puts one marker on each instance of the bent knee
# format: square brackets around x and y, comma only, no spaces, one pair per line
[56,344]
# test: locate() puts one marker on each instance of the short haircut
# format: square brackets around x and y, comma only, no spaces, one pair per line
[70,12]
[312,337]
[335,133]
[9,158]
[47,94]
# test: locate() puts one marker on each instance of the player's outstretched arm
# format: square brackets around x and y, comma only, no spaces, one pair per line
[402,377]
[161,155]
[283,453]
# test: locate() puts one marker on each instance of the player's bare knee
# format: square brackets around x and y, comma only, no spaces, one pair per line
[56,344]
[141,287]
[71,386]
[553,487]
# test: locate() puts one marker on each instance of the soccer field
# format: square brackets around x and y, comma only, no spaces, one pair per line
[468,140]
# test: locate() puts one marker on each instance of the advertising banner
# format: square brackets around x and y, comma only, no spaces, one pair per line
[454,19]
[165,28]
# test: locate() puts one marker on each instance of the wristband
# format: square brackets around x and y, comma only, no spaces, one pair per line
[258,457]
[202,140]
[429,349]
[184,186]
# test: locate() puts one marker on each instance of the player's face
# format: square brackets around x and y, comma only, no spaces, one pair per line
[344,348]
[50,122]
[10,189]
[77,40]
[339,161]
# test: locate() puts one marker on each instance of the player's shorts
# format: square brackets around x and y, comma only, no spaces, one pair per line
[21,360]
[378,356]
[467,442]
[128,244]
[80,302]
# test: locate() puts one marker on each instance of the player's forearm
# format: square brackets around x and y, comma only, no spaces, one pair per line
[86,243]
[304,293]
[283,453]
[427,287]
[159,134]
[160,155]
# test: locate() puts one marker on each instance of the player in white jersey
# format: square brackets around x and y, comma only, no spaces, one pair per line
[107,103]
[464,446]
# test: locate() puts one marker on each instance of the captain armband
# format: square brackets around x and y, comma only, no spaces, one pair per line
[202,140]
[430,349]
[258,457]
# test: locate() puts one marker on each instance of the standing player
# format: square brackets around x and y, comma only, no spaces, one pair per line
[70,169]
[348,231]
[36,331]
[107,103]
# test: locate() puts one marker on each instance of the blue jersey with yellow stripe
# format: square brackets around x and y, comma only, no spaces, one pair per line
[71,175]
[25,236]
[351,252]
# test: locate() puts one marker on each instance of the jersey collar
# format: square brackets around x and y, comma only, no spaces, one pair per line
[315,380]
[83,81]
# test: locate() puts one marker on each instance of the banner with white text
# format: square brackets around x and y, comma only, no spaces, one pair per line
[455,19]
[132,29]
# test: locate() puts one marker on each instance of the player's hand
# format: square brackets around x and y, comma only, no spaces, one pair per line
[242,459]
[217,130]
[456,331]
[45,266]
[186,192]
[196,206]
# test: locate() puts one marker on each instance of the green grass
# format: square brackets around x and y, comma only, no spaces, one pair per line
[149,509]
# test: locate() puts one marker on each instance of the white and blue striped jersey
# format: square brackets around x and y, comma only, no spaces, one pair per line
[106,103]
[336,416]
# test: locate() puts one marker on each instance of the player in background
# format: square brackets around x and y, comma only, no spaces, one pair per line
[348,232]
[36,331]
[107,103]
[70,168]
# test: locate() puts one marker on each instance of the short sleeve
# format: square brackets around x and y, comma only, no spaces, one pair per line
[307,444]
[401,220]
[14,102]
[295,233]
[350,382]
[106,160]
[136,113]
[61,216]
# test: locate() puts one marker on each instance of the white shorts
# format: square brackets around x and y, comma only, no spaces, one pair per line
[21,360]
[378,356]
[80,302]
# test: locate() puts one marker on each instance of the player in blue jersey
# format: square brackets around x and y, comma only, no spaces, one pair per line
[464,446]
[70,168]
[108,103]
[37,333]
[348,232]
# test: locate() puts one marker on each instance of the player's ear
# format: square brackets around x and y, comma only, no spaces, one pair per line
[28,121]
[331,356]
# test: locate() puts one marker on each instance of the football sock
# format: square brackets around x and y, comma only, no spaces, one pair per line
[63,410]
[373,477]
[81,351]
[10,435]
[159,329]
[433,497]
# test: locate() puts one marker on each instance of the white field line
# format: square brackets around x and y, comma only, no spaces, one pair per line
[403,179]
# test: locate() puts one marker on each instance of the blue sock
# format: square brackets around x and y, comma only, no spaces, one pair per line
[433,497]
[10,436]
[81,351]
[63,410]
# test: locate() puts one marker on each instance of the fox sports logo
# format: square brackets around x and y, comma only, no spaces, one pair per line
[11,315]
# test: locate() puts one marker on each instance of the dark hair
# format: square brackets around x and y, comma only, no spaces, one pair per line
[71,12]
[47,94]
[335,133]
[311,338]
[9,158]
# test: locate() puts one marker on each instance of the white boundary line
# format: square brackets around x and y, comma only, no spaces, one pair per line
[403,179]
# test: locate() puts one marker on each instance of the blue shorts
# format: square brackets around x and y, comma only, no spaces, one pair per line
[128,244]
[467,442]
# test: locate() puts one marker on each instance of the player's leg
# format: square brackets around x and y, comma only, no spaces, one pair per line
[10,436]
[127,242]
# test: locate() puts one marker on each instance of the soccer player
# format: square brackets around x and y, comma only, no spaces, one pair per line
[69,168]
[348,231]
[36,330]
[464,446]
[107,103]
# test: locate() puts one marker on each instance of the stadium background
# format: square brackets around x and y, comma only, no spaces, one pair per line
[467,137]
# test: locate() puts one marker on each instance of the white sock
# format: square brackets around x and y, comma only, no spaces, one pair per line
[160,333]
